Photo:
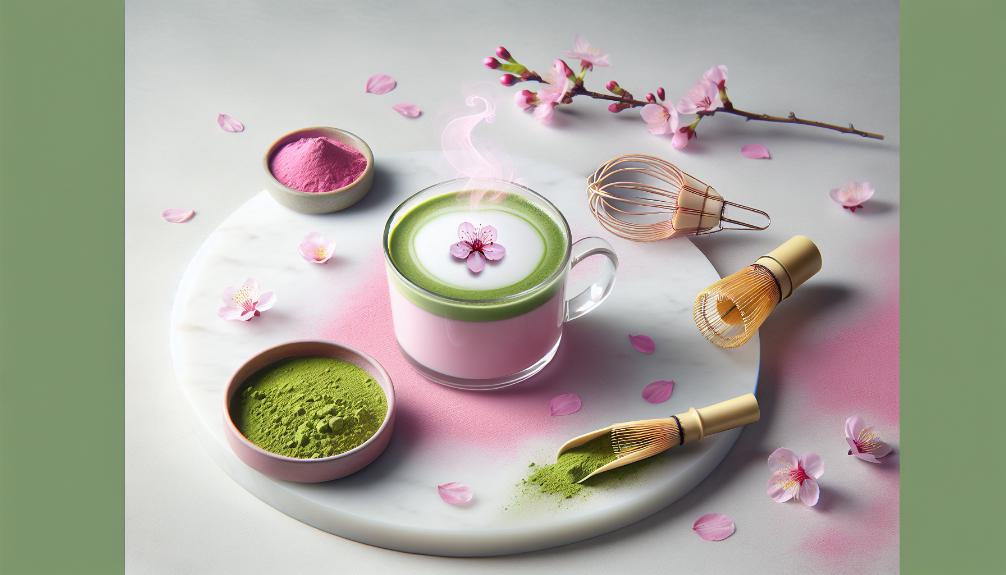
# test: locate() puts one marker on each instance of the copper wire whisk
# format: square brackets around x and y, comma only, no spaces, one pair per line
[645,198]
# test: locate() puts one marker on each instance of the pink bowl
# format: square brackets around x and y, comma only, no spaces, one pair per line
[309,470]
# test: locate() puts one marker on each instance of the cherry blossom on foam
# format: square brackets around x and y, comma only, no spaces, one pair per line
[477,246]
[245,302]
[864,443]
[794,477]
[587,54]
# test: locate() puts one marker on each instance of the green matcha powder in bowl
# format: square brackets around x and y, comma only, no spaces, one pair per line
[309,411]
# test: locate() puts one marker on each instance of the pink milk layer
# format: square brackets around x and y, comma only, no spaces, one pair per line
[477,349]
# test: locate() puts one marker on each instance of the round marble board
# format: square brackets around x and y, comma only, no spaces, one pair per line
[484,439]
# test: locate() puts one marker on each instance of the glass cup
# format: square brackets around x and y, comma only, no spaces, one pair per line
[491,343]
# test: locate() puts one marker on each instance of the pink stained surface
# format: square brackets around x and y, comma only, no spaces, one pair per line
[432,412]
[317,165]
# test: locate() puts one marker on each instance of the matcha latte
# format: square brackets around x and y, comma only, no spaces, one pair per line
[477,280]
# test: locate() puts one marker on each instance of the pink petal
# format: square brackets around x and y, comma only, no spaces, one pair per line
[812,465]
[716,74]
[854,426]
[177,215]
[714,526]
[658,391]
[461,250]
[756,152]
[564,404]
[407,110]
[494,252]
[680,140]
[686,106]
[782,488]
[380,84]
[265,301]
[656,118]
[476,262]
[229,124]
[643,343]
[868,457]
[852,194]
[230,312]
[487,234]
[455,493]
[466,232]
[247,315]
[782,459]
[853,448]
[809,493]
[882,450]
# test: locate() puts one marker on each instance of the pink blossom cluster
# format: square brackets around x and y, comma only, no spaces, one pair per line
[561,84]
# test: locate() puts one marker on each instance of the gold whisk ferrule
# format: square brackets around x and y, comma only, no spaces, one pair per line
[645,198]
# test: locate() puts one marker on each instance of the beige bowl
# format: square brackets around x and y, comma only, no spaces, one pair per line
[320,202]
[309,470]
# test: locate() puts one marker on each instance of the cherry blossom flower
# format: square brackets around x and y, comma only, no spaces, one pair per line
[552,94]
[660,119]
[717,76]
[853,195]
[477,246]
[864,443]
[525,99]
[246,301]
[701,98]
[794,477]
[587,54]
[682,137]
[316,249]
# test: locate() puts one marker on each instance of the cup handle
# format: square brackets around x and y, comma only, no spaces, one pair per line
[598,290]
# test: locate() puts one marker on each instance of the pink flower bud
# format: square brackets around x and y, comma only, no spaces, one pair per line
[491,63]
[504,53]
[508,79]
[614,108]
[651,98]
[612,86]
[661,94]
[567,70]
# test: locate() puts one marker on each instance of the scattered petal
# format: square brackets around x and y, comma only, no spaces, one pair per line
[316,249]
[455,493]
[756,152]
[229,124]
[714,527]
[658,391]
[407,110]
[853,194]
[564,404]
[643,343]
[864,443]
[380,84]
[177,215]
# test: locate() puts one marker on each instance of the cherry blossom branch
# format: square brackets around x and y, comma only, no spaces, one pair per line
[706,99]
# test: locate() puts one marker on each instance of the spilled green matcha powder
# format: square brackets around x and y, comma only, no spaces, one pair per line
[561,477]
[309,407]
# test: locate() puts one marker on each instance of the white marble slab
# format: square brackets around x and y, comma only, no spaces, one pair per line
[394,502]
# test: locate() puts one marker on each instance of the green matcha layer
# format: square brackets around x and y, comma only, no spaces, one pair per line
[466,302]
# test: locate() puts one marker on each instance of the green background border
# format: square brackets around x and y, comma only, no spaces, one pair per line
[61,286]
[61,278]
[952,282]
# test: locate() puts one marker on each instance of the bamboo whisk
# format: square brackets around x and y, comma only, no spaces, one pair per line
[729,312]
[644,198]
[634,441]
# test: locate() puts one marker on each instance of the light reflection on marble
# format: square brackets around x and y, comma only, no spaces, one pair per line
[394,503]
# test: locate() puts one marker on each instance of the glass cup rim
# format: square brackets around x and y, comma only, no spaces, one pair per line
[559,272]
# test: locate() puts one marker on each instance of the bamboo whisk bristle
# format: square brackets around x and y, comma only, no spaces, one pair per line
[646,438]
[730,311]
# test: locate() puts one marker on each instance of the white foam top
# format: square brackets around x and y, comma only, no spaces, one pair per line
[524,249]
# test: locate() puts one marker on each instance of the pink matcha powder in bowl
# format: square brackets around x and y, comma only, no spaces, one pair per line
[319,170]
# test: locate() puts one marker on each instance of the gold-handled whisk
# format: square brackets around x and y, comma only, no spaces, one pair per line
[645,198]
[634,441]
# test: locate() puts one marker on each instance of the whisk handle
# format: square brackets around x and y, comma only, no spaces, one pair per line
[591,297]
